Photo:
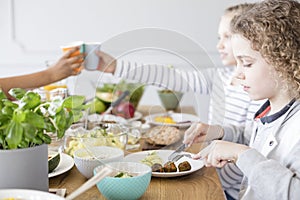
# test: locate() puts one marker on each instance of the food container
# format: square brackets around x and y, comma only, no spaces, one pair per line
[109,92]
[170,99]
[87,159]
[125,188]
[100,134]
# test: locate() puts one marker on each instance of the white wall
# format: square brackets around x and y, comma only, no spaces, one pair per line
[33,30]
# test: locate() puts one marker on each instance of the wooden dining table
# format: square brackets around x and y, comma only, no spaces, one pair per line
[203,184]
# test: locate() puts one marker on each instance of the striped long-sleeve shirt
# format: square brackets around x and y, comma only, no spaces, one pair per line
[229,105]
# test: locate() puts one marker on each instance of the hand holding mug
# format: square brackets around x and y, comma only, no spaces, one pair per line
[67,65]
[73,53]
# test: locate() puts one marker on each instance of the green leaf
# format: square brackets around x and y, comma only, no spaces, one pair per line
[17,93]
[30,100]
[29,131]
[8,103]
[76,115]
[49,127]
[2,140]
[60,121]
[46,138]
[23,144]
[6,110]
[19,116]
[14,134]
[34,119]
[2,95]
[37,140]
[72,102]
[69,119]
[4,125]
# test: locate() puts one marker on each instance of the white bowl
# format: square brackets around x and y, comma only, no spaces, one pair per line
[28,194]
[86,159]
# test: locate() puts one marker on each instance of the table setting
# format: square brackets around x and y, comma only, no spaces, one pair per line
[162,185]
[163,154]
[97,148]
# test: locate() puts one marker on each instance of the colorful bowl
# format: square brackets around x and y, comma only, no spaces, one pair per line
[128,188]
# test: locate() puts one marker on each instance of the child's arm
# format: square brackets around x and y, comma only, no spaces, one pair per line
[66,66]
[197,80]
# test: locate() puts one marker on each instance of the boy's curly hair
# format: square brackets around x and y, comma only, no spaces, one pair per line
[273,28]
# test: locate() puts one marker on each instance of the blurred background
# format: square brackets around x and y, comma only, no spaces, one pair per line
[32,32]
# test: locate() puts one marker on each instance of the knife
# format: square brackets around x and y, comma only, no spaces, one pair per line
[177,151]
[114,104]
[117,102]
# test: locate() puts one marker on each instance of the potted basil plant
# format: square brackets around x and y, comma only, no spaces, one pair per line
[24,125]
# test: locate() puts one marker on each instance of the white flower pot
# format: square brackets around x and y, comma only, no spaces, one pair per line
[24,168]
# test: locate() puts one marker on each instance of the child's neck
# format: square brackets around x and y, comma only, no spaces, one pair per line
[278,103]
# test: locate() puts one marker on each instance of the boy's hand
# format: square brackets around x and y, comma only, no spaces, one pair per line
[219,152]
[200,132]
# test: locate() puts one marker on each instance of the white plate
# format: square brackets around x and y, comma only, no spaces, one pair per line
[137,116]
[66,163]
[163,154]
[28,194]
[106,117]
[110,117]
[177,117]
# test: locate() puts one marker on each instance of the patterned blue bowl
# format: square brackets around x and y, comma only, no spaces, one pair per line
[128,188]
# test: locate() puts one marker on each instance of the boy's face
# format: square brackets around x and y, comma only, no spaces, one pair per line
[257,77]
[224,44]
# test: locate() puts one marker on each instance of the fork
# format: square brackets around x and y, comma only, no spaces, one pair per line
[177,157]
[177,152]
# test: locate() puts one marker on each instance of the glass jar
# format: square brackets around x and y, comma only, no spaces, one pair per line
[101,134]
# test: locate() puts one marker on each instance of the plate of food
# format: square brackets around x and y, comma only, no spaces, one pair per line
[162,135]
[181,120]
[158,160]
[27,194]
[66,163]
[109,117]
